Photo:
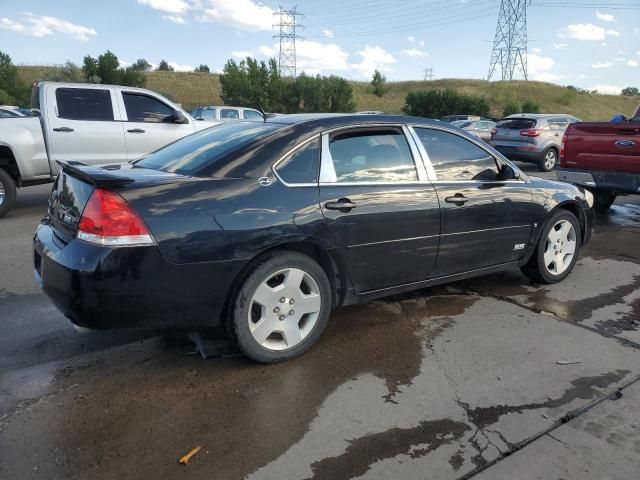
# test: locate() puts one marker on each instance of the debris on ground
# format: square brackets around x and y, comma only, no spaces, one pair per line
[184,460]
[568,362]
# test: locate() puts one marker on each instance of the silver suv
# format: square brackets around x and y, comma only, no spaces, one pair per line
[534,138]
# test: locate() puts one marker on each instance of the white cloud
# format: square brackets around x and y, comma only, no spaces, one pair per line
[607,89]
[547,77]
[268,51]
[421,43]
[175,19]
[243,14]
[536,50]
[373,58]
[538,64]
[632,63]
[559,46]
[178,7]
[181,68]
[605,17]
[316,57]
[601,65]
[414,52]
[411,38]
[123,63]
[39,26]
[328,33]
[242,54]
[586,31]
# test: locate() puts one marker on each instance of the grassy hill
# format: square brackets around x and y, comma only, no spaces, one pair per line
[192,89]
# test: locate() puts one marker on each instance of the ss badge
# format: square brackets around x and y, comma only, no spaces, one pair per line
[519,246]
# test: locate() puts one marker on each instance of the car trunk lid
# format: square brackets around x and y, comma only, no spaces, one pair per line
[507,132]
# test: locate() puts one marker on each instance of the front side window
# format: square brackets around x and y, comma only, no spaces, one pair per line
[84,104]
[229,114]
[302,165]
[455,158]
[251,115]
[143,108]
[376,155]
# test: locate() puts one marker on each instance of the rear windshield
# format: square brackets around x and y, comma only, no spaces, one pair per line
[202,149]
[516,123]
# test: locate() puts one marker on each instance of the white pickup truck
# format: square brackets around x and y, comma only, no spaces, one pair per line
[88,123]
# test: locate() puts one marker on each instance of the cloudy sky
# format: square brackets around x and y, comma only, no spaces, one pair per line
[588,43]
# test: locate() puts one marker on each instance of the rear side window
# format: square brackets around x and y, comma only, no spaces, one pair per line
[251,115]
[142,108]
[208,114]
[229,114]
[455,158]
[372,156]
[200,150]
[516,123]
[84,104]
[558,123]
[302,165]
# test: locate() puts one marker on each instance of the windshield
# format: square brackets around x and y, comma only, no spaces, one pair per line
[516,123]
[202,149]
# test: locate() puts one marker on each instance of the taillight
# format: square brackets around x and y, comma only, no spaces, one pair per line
[562,149]
[494,131]
[533,132]
[108,220]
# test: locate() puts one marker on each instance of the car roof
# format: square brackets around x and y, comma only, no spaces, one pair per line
[225,106]
[340,119]
[538,115]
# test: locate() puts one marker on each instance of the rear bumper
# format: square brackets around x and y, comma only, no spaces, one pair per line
[133,287]
[524,153]
[619,182]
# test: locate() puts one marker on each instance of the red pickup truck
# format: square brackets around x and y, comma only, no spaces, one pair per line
[604,158]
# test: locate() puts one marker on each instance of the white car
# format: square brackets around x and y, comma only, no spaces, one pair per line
[10,111]
[92,124]
[221,114]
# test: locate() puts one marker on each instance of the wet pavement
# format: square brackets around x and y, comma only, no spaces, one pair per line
[493,378]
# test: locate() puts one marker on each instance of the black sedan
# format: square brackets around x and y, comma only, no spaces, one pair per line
[265,227]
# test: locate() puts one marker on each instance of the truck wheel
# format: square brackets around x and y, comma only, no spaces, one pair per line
[557,250]
[603,199]
[549,161]
[7,193]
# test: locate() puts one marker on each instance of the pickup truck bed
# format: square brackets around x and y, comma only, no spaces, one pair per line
[604,158]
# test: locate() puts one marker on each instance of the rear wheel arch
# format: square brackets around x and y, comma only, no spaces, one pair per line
[9,164]
[331,264]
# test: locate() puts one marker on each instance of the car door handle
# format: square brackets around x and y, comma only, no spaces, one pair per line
[628,131]
[136,130]
[458,199]
[344,205]
[63,129]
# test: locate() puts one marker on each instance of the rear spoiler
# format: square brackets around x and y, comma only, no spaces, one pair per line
[96,176]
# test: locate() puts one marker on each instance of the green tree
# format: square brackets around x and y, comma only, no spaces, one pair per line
[530,107]
[141,65]
[379,84]
[630,91]
[511,108]
[90,69]
[12,89]
[106,69]
[163,66]
[69,72]
[438,103]
[202,69]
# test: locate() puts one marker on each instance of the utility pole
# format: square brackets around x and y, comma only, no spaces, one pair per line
[510,43]
[287,22]
[428,73]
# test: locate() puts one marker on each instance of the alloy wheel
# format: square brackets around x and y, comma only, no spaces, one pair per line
[550,159]
[2,193]
[560,247]
[284,309]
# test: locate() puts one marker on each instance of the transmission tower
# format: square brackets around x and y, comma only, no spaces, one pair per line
[428,73]
[287,22]
[510,43]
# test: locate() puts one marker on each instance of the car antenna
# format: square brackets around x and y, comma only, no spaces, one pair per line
[265,115]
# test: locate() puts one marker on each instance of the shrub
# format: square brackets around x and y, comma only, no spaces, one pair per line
[378,84]
[106,69]
[438,103]
[530,107]
[511,108]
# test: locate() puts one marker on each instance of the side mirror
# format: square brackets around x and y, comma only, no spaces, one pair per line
[179,117]
[507,172]
[200,119]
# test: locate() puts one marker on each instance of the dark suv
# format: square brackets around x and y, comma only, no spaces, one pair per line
[534,138]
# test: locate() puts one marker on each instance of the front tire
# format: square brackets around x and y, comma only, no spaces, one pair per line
[281,308]
[7,193]
[557,250]
[549,161]
[602,200]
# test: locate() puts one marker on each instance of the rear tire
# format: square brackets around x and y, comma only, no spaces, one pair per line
[7,193]
[549,161]
[281,307]
[602,200]
[557,250]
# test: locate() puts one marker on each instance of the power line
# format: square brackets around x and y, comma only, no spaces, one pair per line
[287,23]
[510,43]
